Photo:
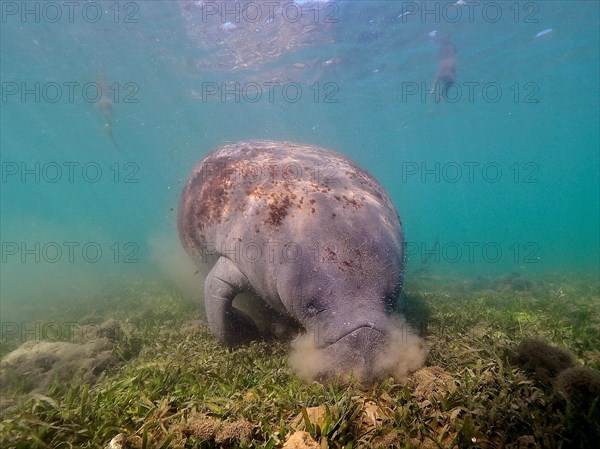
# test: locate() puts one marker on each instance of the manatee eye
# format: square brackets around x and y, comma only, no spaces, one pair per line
[311,309]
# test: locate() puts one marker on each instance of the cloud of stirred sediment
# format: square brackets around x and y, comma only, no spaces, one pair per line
[402,353]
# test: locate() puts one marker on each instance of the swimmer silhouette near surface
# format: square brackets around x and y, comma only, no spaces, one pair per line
[104,104]
[446,75]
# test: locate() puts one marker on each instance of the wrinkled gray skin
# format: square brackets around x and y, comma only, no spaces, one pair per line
[301,238]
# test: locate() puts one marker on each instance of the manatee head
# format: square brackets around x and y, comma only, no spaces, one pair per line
[344,297]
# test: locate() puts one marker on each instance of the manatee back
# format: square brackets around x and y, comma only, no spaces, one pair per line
[258,190]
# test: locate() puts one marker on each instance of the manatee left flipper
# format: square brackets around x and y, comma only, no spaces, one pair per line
[228,324]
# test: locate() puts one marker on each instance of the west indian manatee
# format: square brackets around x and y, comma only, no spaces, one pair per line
[297,237]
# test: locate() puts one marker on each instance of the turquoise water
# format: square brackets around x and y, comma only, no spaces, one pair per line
[530,205]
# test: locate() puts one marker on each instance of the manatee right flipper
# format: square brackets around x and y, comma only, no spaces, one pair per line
[228,324]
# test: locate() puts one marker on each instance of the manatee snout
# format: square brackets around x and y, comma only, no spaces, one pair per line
[356,353]
[368,352]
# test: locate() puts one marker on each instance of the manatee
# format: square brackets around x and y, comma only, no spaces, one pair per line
[294,237]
